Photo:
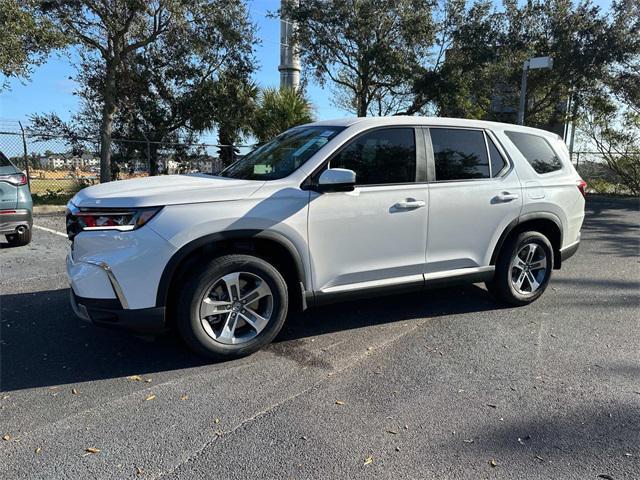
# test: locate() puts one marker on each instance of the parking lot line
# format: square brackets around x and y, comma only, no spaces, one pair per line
[50,230]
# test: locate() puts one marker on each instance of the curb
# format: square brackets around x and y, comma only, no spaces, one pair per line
[43,209]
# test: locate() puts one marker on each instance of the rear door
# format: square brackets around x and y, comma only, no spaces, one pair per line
[8,192]
[474,193]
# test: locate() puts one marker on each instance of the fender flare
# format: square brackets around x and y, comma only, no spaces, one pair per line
[520,220]
[174,262]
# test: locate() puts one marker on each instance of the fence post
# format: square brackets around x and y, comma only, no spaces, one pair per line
[26,155]
[577,160]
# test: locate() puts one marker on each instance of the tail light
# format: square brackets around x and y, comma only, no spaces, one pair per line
[16,179]
[582,186]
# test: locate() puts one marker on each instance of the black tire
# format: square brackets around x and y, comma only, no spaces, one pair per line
[502,286]
[19,239]
[197,286]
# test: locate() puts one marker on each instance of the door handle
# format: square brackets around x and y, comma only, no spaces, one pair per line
[409,204]
[507,197]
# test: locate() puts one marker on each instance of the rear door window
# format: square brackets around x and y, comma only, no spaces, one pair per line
[537,151]
[459,154]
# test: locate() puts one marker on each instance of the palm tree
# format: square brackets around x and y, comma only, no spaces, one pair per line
[278,110]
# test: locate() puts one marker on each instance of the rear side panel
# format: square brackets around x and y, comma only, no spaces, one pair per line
[553,193]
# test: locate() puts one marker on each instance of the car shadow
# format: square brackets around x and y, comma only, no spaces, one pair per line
[42,343]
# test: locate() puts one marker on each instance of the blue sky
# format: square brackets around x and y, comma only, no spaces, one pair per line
[51,90]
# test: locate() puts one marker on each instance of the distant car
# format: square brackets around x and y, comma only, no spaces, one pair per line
[16,207]
[326,211]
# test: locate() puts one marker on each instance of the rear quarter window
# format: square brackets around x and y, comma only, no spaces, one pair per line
[537,151]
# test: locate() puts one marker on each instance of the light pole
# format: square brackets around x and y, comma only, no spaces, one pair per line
[531,64]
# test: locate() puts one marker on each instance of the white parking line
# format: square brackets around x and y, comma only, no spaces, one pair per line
[50,230]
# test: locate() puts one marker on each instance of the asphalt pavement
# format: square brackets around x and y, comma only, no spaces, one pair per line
[446,384]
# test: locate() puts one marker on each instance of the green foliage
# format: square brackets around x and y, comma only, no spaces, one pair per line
[150,69]
[26,39]
[278,110]
[483,50]
[367,49]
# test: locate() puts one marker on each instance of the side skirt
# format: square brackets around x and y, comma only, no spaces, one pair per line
[431,280]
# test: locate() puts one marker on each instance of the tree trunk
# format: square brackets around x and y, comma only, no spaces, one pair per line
[153,159]
[106,125]
[361,104]
[227,152]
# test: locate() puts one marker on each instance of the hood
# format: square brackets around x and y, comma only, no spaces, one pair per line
[165,190]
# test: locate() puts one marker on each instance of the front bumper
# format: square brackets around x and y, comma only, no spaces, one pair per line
[109,313]
[10,220]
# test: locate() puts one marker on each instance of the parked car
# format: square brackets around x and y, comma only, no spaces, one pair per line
[16,207]
[327,211]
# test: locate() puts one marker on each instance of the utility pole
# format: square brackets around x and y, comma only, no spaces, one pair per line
[289,67]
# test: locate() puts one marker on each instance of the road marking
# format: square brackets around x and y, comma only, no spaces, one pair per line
[50,230]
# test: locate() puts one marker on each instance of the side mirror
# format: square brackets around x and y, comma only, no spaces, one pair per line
[336,180]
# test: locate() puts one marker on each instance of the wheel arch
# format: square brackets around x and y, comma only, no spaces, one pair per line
[544,222]
[268,245]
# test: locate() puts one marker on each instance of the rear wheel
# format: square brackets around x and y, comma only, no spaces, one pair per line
[523,269]
[232,307]
[20,238]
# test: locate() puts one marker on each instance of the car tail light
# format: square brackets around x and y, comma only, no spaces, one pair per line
[16,179]
[582,186]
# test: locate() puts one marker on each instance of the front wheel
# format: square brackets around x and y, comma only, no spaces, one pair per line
[232,307]
[523,269]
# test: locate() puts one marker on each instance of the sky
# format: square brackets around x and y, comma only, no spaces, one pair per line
[51,87]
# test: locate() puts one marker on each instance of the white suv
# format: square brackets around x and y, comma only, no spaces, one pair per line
[326,211]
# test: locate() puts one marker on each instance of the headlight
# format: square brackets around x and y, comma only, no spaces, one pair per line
[121,219]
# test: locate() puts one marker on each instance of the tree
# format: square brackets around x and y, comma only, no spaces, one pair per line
[234,104]
[279,110]
[367,49]
[150,68]
[26,40]
[485,48]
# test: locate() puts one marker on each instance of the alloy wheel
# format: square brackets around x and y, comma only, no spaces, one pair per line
[236,308]
[529,269]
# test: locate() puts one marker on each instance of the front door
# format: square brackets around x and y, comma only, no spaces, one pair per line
[375,235]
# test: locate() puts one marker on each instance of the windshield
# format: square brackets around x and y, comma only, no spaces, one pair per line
[282,155]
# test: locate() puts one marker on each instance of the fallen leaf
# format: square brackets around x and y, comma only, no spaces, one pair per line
[368,460]
[135,378]
[491,405]
[339,402]
[38,450]
[184,397]
[217,420]
[369,348]
[493,463]
[392,432]
[74,391]
[628,455]
[397,449]
[6,437]
[147,380]
[468,441]
[303,437]
[91,450]
[150,397]
[138,471]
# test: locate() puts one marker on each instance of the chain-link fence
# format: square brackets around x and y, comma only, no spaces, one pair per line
[57,166]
